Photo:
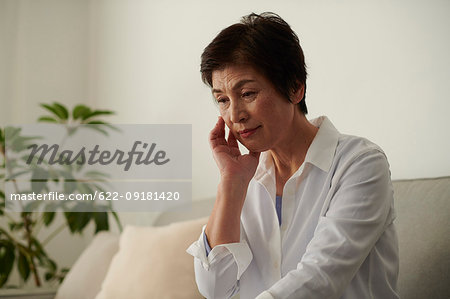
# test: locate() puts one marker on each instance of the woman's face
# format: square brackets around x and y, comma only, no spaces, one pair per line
[255,112]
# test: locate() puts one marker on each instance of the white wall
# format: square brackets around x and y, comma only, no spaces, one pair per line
[378,69]
[44,56]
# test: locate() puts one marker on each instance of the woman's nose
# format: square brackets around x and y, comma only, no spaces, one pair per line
[238,112]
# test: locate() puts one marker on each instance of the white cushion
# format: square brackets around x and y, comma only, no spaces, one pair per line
[86,275]
[152,263]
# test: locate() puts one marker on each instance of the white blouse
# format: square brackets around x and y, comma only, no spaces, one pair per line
[336,239]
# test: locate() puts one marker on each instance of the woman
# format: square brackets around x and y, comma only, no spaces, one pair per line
[308,212]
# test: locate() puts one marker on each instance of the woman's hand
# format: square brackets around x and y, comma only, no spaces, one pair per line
[232,164]
[236,171]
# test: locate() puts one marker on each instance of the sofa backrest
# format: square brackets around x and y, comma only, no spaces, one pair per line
[423,227]
[198,209]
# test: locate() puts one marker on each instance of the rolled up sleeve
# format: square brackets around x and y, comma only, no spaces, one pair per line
[217,274]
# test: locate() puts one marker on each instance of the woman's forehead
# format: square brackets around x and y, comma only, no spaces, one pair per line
[234,77]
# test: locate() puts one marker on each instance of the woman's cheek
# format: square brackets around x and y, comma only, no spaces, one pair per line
[226,118]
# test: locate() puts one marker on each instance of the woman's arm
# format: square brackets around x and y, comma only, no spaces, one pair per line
[229,256]
[236,171]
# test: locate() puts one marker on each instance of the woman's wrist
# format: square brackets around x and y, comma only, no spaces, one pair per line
[235,181]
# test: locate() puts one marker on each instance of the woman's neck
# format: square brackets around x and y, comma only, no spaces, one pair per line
[290,154]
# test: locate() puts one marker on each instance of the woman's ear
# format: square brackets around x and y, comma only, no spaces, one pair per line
[297,96]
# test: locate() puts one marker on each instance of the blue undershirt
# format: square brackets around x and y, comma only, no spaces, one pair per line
[278,208]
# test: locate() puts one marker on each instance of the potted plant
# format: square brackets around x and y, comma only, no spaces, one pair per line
[19,245]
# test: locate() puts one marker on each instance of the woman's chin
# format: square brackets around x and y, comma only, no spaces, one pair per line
[254,147]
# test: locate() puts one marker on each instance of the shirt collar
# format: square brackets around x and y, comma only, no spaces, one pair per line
[320,153]
[322,149]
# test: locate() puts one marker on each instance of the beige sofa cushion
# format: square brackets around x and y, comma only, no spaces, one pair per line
[152,263]
[86,275]
[423,226]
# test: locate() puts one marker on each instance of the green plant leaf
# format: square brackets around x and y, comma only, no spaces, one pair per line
[84,188]
[31,205]
[99,187]
[98,129]
[47,119]
[20,143]
[52,110]
[49,276]
[15,175]
[40,252]
[11,132]
[80,111]
[39,178]
[69,184]
[116,217]
[47,263]
[104,125]
[71,220]
[83,219]
[48,217]
[23,266]
[51,265]
[63,110]
[96,122]
[7,257]
[60,113]
[101,221]
[77,221]
[2,141]
[97,112]
[15,226]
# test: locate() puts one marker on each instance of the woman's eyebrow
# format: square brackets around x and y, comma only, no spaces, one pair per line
[237,86]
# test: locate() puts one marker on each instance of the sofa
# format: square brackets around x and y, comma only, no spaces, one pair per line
[151,262]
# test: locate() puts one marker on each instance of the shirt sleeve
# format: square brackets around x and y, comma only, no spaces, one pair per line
[225,263]
[359,211]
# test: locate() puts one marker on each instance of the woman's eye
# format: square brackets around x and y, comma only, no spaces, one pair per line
[222,100]
[248,94]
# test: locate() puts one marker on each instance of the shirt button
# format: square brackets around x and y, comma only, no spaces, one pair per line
[275,265]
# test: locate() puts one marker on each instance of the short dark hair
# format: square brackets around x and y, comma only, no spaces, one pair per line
[265,42]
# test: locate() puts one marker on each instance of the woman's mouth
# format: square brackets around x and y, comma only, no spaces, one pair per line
[248,132]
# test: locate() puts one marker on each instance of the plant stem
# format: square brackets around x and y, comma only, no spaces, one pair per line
[26,217]
[28,235]
[53,234]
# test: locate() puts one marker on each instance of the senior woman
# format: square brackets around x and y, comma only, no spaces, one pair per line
[308,212]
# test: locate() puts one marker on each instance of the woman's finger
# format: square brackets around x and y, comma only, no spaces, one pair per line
[217,134]
[232,142]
